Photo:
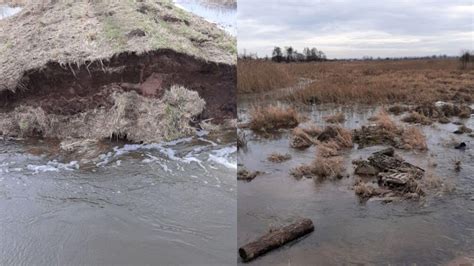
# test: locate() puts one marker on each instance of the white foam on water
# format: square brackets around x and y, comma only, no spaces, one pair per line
[222,156]
[53,166]
[41,168]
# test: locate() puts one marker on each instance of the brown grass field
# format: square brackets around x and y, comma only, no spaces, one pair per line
[367,82]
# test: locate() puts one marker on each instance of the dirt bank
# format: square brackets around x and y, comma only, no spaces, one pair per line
[72,58]
[71,89]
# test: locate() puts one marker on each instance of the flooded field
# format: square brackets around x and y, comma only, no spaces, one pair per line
[224,15]
[130,204]
[435,229]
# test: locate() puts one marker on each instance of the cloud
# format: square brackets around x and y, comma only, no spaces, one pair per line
[349,28]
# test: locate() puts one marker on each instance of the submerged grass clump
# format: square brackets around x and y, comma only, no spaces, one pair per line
[300,139]
[384,131]
[328,164]
[278,157]
[414,139]
[336,118]
[271,117]
[417,118]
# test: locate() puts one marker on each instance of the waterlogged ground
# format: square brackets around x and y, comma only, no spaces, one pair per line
[172,203]
[225,16]
[436,230]
[7,11]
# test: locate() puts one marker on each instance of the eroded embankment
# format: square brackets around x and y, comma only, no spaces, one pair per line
[128,85]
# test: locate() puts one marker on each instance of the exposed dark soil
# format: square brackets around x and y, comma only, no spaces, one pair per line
[71,89]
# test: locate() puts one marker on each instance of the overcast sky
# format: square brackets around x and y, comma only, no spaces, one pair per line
[353,29]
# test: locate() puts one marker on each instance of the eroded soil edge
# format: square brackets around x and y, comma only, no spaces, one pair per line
[75,89]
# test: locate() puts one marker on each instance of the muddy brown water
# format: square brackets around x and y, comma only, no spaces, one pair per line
[225,16]
[435,230]
[172,203]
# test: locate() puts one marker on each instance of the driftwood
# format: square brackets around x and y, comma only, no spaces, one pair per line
[276,238]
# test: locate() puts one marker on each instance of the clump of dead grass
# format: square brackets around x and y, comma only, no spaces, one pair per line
[342,136]
[312,130]
[272,117]
[328,167]
[336,118]
[417,118]
[132,117]
[414,139]
[278,157]
[300,139]
[366,191]
[328,164]
[383,120]
[397,109]
[27,121]
[329,149]
[384,131]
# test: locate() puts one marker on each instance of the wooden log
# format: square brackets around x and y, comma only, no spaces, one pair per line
[275,239]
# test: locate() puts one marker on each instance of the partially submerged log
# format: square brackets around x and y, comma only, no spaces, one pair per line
[275,239]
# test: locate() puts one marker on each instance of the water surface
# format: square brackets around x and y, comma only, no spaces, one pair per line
[225,16]
[7,11]
[432,231]
[158,204]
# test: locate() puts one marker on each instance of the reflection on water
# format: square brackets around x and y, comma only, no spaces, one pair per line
[224,15]
[433,231]
[6,11]
[172,203]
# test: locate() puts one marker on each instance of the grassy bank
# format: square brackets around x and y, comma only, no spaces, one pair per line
[76,32]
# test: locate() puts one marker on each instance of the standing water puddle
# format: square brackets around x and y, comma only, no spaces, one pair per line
[7,11]
[434,230]
[224,15]
[172,203]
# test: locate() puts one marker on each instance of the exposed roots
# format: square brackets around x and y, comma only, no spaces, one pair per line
[132,117]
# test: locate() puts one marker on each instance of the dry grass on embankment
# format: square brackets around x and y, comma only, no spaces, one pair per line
[75,32]
[367,82]
[97,69]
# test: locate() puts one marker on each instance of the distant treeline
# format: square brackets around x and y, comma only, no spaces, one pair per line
[289,54]
[466,59]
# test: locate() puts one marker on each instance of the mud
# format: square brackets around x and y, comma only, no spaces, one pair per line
[72,89]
